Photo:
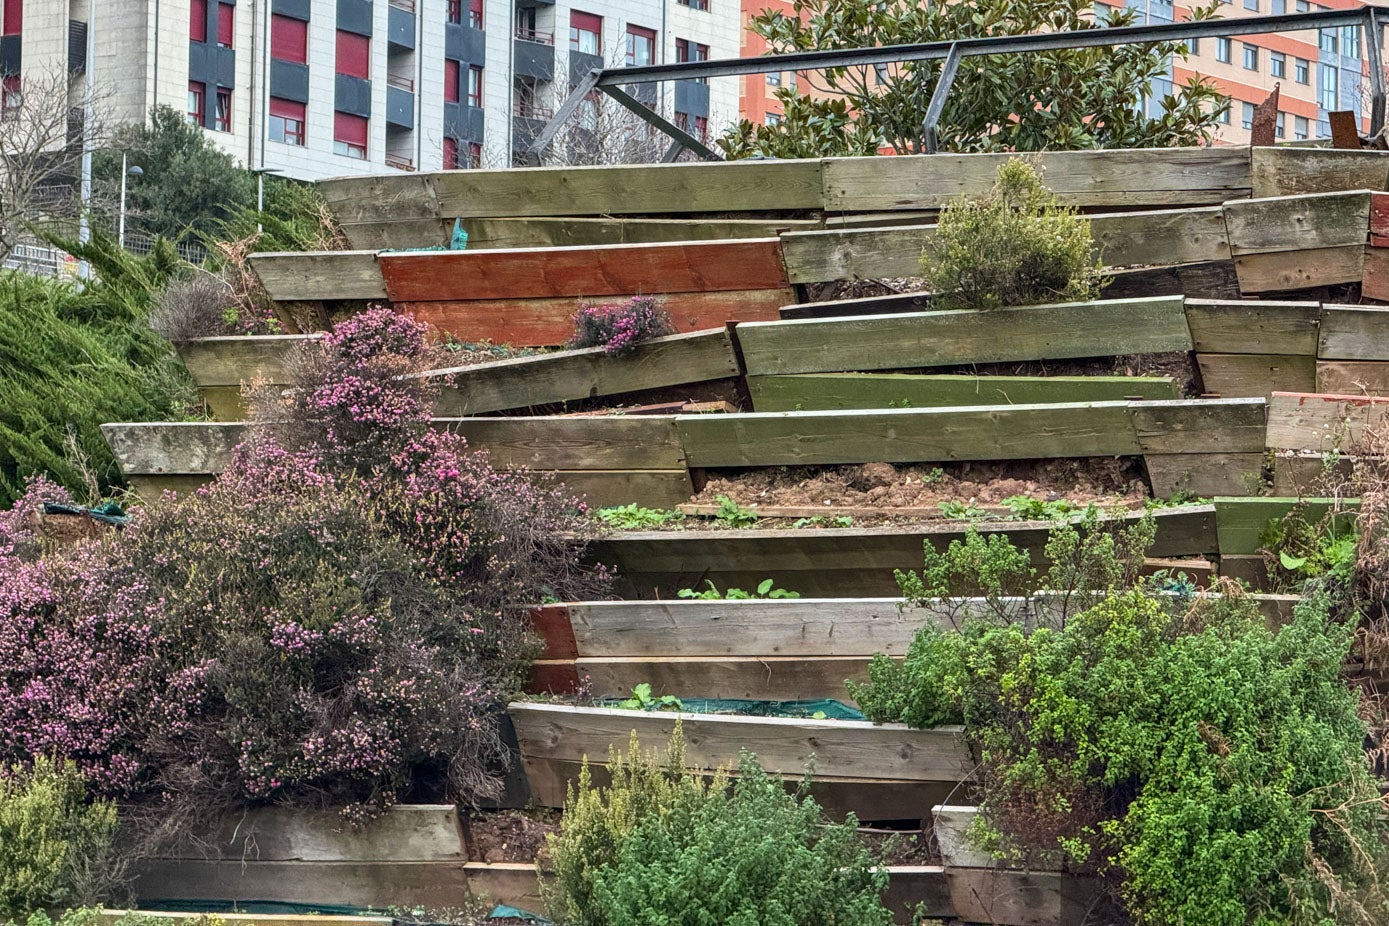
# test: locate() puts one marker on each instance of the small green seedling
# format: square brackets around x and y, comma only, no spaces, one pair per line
[642,700]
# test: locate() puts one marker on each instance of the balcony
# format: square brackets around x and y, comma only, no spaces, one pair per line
[463,122]
[400,102]
[464,43]
[400,23]
[535,54]
[77,47]
[399,163]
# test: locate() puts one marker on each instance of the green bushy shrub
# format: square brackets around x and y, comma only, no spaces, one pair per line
[55,846]
[1016,245]
[661,846]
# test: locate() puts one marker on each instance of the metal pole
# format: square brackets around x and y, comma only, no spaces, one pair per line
[120,235]
[651,117]
[937,105]
[566,109]
[84,231]
[260,198]
[1374,34]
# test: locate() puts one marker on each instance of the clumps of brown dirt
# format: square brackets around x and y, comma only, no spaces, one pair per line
[901,847]
[1103,480]
[509,835]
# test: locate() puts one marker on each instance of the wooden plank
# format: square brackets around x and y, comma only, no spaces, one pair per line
[425,232]
[946,338]
[407,833]
[1322,423]
[1204,474]
[1374,283]
[615,442]
[1173,236]
[172,447]
[1353,377]
[549,322]
[1354,332]
[1302,472]
[650,189]
[535,232]
[1199,425]
[377,885]
[225,403]
[523,382]
[1288,171]
[1233,326]
[917,891]
[1215,279]
[756,678]
[1241,522]
[1005,432]
[1379,214]
[829,391]
[1286,271]
[1257,374]
[1007,897]
[870,305]
[583,272]
[950,824]
[375,198]
[1298,223]
[295,276]
[513,884]
[651,488]
[232,361]
[840,748]
[1168,176]
[151,489]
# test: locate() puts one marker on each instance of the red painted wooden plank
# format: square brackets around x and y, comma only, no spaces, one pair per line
[1375,277]
[551,622]
[1379,241]
[547,322]
[553,677]
[584,272]
[1379,213]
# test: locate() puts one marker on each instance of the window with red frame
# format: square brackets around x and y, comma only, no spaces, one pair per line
[354,55]
[641,46]
[13,14]
[451,79]
[701,128]
[685,50]
[475,87]
[226,24]
[585,32]
[455,11]
[222,115]
[350,135]
[450,153]
[289,39]
[11,97]
[474,155]
[475,13]
[287,121]
[197,21]
[197,102]
[701,5]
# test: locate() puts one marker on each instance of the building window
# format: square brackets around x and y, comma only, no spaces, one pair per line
[1278,64]
[452,76]
[641,46]
[1299,128]
[475,87]
[197,95]
[222,115]
[226,24]
[354,55]
[458,157]
[475,13]
[1224,116]
[455,11]
[1251,5]
[701,5]
[197,21]
[1246,120]
[585,33]
[1278,7]
[350,135]
[286,121]
[1280,128]
[1222,50]
[289,39]
[1193,46]
[1301,70]
[772,118]
[474,155]
[11,97]
[685,50]
[588,113]
[12,12]
[774,80]
[1327,81]
[1350,41]
[1304,6]
[450,154]
[1251,57]
[1329,41]
[701,128]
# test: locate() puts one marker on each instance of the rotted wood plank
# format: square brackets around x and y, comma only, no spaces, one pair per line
[580,374]
[941,338]
[172,447]
[1354,332]
[1289,171]
[828,391]
[298,276]
[1323,423]
[1003,432]
[1215,279]
[1257,374]
[549,322]
[1285,271]
[1298,223]
[755,678]
[583,272]
[1235,326]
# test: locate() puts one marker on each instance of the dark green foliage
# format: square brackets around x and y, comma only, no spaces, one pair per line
[72,359]
[1081,98]
[662,847]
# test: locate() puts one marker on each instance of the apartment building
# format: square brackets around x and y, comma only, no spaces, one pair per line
[316,88]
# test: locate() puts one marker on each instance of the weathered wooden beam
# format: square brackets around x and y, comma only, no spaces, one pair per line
[1290,171]
[1354,332]
[1286,271]
[1234,326]
[1241,523]
[312,275]
[1298,223]
[1257,374]
[835,391]
[1323,423]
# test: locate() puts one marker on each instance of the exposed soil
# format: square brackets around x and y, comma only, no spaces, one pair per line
[1103,480]
[509,835]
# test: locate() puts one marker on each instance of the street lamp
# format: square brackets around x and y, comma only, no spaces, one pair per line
[260,191]
[135,171]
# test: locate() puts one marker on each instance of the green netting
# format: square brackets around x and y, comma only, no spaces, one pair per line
[281,908]
[827,708]
[502,912]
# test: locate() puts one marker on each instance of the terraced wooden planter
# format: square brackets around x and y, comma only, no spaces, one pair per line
[221,366]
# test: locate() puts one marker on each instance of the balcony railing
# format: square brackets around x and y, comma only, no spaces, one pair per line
[399,163]
[535,35]
[531,111]
[406,5]
[400,83]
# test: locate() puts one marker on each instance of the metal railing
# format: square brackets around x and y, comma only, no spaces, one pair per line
[951,52]
[399,163]
[400,83]
[535,35]
[406,5]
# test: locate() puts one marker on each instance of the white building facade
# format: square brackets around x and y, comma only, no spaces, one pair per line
[317,88]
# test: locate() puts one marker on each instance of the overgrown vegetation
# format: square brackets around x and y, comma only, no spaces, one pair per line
[1016,245]
[619,326]
[1208,768]
[635,517]
[660,845]
[765,589]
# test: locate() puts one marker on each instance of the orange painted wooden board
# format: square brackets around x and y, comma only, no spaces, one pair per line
[548,322]
[604,270]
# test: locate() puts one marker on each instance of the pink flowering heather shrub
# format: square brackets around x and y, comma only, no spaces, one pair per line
[619,326]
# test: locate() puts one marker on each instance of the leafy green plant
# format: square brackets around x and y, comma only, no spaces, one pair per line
[642,700]
[56,847]
[1035,509]
[734,514]
[824,520]
[1016,245]
[934,476]
[635,517]
[644,850]
[765,589]
[1298,548]
[956,510]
